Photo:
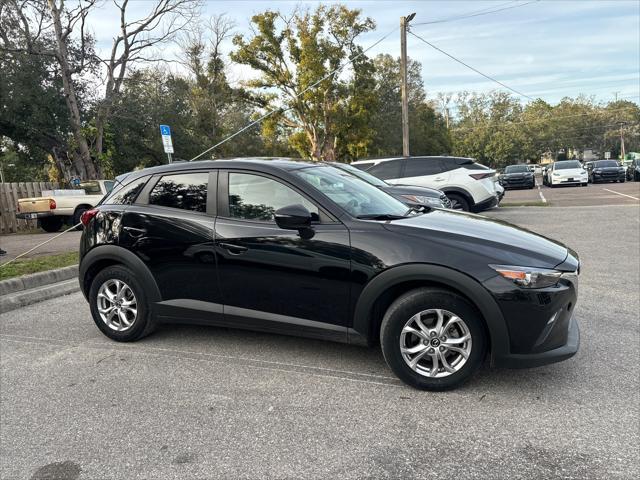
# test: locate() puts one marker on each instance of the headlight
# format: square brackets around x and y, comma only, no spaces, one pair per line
[431,201]
[528,277]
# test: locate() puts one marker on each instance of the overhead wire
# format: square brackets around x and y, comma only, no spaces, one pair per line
[477,13]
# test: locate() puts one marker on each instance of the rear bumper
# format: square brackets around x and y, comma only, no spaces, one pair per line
[485,204]
[34,215]
[558,354]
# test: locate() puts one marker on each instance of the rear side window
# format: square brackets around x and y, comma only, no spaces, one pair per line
[186,191]
[363,166]
[387,170]
[417,167]
[127,194]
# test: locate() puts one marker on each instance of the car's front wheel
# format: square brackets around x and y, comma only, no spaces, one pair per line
[433,339]
[119,305]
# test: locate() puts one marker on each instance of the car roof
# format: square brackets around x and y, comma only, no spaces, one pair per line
[435,157]
[272,164]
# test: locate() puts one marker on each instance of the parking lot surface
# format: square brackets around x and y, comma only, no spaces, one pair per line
[627,193]
[195,402]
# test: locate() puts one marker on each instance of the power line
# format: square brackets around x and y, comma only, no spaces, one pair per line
[313,85]
[472,68]
[477,13]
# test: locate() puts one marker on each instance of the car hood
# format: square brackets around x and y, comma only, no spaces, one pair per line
[498,241]
[412,190]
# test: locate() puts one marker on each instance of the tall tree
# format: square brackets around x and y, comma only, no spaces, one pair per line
[293,53]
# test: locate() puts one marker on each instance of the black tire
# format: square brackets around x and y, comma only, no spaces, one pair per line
[622,181]
[51,224]
[143,323]
[458,202]
[77,214]
[419,300]
[585,184]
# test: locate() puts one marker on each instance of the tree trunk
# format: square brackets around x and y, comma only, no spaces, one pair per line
[83,163]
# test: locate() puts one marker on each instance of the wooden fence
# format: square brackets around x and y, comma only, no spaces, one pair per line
[9,195]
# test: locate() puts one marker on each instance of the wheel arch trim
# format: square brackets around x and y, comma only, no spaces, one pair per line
[363,323]
[124,257]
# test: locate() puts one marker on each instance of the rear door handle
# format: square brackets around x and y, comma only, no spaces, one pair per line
[135,232]
[232,248]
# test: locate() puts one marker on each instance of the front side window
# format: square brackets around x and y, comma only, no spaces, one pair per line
[186,191]
[353,194]
[254,197]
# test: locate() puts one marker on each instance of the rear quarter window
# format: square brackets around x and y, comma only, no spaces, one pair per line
[127,194]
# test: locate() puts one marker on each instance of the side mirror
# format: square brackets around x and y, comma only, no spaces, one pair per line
[293,217]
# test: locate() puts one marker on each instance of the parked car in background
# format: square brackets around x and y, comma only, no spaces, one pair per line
[633,170]
[605,171]
[469,185]
[408,194]
[566,172]
[517,176]
[306,249]
[57,207]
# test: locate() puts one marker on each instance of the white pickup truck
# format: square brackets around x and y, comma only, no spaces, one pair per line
[56,207]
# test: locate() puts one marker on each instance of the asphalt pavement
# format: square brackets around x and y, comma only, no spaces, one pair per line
[17,243]
[196,402]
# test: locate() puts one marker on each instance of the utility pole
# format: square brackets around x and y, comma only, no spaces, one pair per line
[404,22]
[622,153]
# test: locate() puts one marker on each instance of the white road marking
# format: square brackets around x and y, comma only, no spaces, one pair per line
[623,194]
[544,200]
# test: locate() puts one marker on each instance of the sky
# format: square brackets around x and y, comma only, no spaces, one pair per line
[545,49]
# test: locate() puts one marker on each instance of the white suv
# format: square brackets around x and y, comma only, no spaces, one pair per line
[566,172]
[469,185]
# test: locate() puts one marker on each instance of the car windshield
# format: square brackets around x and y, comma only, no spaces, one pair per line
[367,177]
[568,164]
[606,164]
[516,169]
[356,196]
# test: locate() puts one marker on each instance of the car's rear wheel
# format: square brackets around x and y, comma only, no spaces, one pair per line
[458,202]
[433,339]
[119,305]
[51,224]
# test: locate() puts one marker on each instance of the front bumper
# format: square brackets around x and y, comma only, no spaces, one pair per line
[600,177]
[559,354]
[34,215]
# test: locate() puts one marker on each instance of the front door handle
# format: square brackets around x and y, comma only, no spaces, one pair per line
[232,248]
[135,232]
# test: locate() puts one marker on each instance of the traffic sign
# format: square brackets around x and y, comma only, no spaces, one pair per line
[607,155]
[165,131]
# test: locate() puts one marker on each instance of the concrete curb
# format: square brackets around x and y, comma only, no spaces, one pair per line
[34,280]
[28,289]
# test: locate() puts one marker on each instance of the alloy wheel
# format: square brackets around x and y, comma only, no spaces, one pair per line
[117,305]
[435,343]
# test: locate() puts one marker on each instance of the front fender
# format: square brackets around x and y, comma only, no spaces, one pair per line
[467,286]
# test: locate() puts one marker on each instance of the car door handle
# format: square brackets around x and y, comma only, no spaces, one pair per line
[232,248]
[439,179]
[135,232]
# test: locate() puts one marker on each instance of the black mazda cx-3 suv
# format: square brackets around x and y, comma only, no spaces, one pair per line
[308,249]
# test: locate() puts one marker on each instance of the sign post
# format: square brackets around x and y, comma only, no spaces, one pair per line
[165,131]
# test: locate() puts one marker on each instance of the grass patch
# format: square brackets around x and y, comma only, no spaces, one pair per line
[37,264]
[526,204]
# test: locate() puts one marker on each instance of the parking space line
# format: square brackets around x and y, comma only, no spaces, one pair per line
[623,194]
[544,200]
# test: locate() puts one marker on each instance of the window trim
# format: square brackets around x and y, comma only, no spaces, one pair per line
[143,196]
[223,199]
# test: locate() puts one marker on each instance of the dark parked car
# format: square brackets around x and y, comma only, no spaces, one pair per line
[407,194]
[308,249]
[517,176]
[633,171]
[605,171]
